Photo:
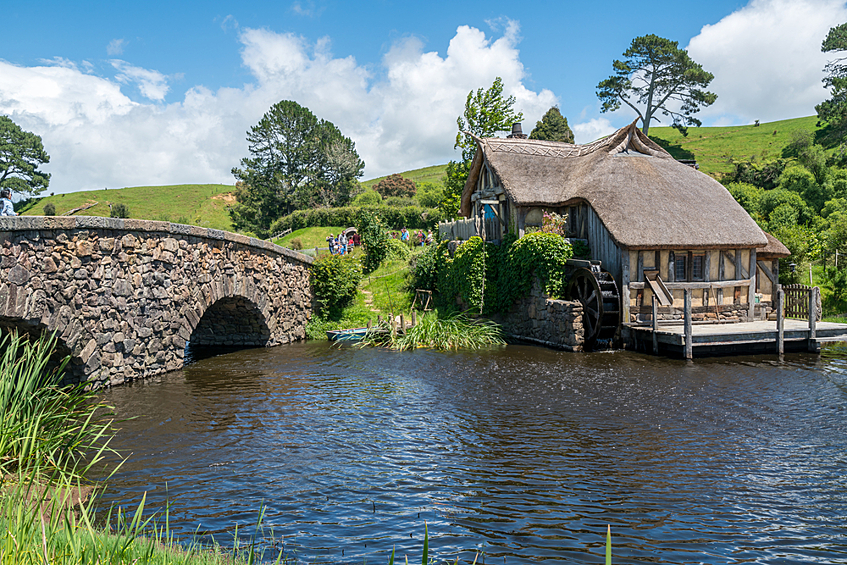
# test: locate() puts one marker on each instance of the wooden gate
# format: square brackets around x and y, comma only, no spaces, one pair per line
[797,301]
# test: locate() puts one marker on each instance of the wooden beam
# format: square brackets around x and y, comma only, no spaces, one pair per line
[751,290]
[780,321]
[720,276]
[764,267]
[696,285]
[625,298]
[655,325]
[813,318]
[689,331]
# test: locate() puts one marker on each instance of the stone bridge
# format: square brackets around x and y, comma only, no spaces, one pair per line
[124,296]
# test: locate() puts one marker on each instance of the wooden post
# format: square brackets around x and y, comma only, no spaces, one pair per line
[655,324]
[689,330]
[813,318]
[625,292]
[402,323]
[751,291]
[811,283]
[720,277]
[378,319]
[369,324]
[414,318]
[780,321]
[393,325]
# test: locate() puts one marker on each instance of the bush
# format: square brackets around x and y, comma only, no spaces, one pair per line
[398,249]
[396,185]
[335,279]
[375,240]
[119,211]
[399,201]
[368,198]
[412,217]
[296,244]
[424,270]
[429,195]
[49,209]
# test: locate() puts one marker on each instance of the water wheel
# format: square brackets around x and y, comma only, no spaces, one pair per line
[598,293]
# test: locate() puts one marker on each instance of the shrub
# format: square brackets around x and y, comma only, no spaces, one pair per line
[375,240]
[119,211]
[49,209]
[399,201]
[335,279]
[412,217]
[424,270]
[398,249]
[429,195]
[296,244]
[368,198]
[396,185]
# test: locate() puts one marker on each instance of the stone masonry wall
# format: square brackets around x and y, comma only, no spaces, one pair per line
[540,319]
[124,296]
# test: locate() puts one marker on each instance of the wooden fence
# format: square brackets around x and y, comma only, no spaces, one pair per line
[458,229]
[797,301]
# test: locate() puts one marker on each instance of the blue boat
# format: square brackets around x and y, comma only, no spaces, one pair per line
[354,334]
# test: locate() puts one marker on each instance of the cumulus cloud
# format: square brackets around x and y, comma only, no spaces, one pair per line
[401,114]
[592,130]
[766,59]
[152,84]
[116,47]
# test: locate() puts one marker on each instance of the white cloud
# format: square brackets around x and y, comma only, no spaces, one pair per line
[592,130]
[152,84]
[766,59]
[116,47]
[401,114]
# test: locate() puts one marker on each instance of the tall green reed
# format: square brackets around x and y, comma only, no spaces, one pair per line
[439,331]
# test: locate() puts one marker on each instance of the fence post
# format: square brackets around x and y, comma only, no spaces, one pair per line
[689,330]
[780,322]
[813,318]
[655,324]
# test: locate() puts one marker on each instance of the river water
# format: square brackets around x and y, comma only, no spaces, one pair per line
[522,453]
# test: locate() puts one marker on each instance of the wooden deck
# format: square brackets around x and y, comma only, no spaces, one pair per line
[734,338]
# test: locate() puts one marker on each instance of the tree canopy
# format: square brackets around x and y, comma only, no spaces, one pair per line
[486,113]
[296,161]
[660,77]
[833,112]
[553,127]
[21,153]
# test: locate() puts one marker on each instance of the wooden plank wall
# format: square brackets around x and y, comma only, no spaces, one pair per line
[601,243]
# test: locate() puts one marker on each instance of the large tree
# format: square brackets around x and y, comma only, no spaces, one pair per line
[21,153]
[486,113]
[658,76]
[833,112]
[296,161]
[552,127]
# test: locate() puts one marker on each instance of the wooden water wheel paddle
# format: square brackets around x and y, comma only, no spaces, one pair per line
[598,294]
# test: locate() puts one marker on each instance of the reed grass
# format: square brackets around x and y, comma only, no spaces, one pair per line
[434,330]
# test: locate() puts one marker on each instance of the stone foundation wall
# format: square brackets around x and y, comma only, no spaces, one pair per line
[726,313]
[540,319]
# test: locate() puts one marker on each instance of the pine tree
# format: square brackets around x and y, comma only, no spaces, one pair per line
[552,127]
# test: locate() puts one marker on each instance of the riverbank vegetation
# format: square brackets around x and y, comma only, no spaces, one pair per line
[436,330]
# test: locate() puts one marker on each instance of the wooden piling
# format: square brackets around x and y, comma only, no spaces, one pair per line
[414,318]
[689,329]
[369,323]
[780,321]
[813,318]
[655,324]
[402,323]
[379,320]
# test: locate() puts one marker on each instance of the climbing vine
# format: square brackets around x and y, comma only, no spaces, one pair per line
[495,276]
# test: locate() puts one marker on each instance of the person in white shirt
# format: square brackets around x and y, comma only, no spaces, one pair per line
[6,208]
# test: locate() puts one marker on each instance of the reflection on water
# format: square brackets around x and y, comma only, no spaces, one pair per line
[523,453]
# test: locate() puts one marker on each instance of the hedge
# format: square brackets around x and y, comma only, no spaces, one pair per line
[412,217]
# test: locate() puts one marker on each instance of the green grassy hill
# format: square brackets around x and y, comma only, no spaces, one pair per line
[715,147]
[197,204]
[433,174]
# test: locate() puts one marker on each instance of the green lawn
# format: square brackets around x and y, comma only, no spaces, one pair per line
[202,205]
[714,147]
[309,237]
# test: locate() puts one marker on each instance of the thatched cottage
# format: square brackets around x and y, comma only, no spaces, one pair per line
[656,224]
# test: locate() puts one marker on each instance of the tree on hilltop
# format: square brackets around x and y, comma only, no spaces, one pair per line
[21,153]
[553,127]
[833,112]
[396,185]
[486,113]
[296,161]
[659,76]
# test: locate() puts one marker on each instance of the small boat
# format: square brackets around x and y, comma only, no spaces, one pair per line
[354,334]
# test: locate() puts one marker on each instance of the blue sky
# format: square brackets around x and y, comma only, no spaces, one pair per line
[125,94]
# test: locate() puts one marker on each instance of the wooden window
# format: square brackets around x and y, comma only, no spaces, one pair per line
[697,263]
[680,267]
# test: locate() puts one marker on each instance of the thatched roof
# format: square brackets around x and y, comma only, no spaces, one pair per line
[773,249]
[645,198]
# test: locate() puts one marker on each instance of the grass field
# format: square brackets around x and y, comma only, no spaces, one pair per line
[309,237]
[433,174]
[715,147]
[202,205]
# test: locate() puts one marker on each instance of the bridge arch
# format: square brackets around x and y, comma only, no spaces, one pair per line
[126,295]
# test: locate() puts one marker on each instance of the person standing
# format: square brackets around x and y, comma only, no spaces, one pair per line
[6,208]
